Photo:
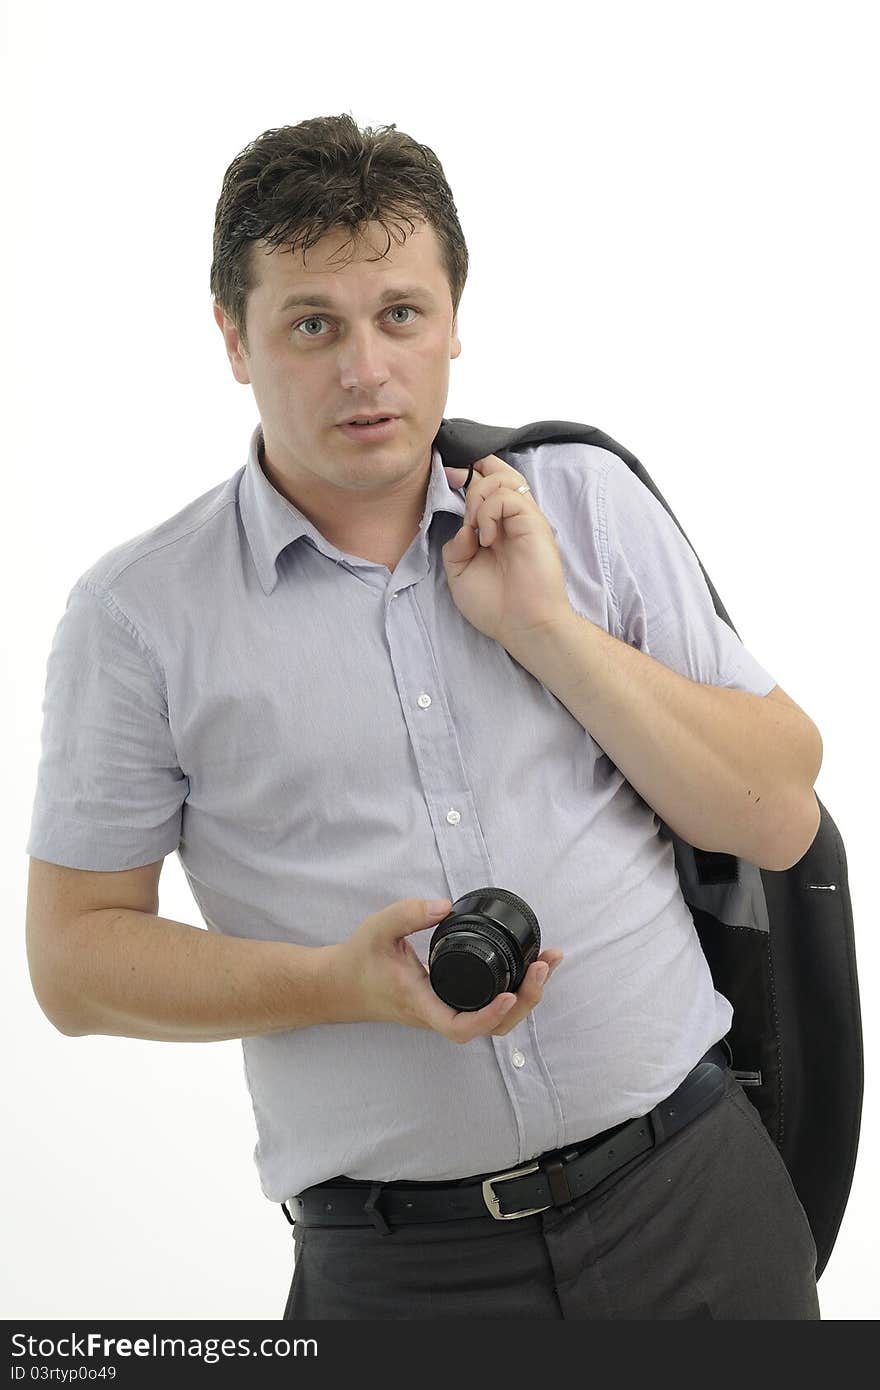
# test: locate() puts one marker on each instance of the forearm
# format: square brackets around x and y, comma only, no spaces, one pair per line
[131,974]
[724,769]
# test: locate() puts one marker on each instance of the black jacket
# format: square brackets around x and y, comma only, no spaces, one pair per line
[780,946]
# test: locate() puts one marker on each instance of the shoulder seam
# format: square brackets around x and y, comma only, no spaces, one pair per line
[119,616]
[147,554]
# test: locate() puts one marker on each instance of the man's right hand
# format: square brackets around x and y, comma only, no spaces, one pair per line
[377,977]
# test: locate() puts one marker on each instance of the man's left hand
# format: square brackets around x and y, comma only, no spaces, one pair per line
[509,581]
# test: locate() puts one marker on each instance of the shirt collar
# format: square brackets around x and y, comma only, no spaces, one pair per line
[271,522]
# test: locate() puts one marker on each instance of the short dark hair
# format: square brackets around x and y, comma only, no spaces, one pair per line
[292,185]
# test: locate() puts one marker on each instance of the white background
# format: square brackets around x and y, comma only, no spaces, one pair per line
[670,215]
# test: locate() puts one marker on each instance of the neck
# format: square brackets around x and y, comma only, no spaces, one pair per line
[372,534]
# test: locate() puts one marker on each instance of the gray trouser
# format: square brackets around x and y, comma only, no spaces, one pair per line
[708,1225]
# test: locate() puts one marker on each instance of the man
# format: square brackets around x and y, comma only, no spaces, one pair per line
[337,683]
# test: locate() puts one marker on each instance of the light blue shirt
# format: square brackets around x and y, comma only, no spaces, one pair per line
[316,737]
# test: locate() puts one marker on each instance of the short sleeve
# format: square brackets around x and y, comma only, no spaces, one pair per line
[109,791]
[659,592]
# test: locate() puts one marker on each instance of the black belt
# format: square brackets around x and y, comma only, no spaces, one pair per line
[551,1180]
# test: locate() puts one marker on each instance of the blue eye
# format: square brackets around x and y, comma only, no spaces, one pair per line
[317,318]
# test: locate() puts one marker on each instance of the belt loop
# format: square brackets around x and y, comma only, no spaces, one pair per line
[655,1120]
[557,1182]
[373,1211]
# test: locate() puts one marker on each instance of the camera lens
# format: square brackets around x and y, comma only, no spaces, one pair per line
[482,947]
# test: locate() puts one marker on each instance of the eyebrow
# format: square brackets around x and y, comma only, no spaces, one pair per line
[319,301]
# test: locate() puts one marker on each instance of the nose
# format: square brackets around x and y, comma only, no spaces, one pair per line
[363,362]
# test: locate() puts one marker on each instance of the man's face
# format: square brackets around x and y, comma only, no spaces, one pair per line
[354,353]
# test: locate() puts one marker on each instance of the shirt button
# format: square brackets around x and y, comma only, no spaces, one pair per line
[453,817]
[518,1059]
[423,701]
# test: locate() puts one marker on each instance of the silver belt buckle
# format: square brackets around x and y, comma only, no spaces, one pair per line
[491,1199]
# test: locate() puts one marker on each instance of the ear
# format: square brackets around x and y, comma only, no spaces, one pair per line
[234,350]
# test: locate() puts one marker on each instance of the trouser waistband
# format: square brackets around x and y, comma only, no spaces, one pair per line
[550,1180]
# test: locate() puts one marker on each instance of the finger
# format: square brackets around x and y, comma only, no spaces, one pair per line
[491,464]
[480,491]
[475,497]
[529,994]
[460,1025]
[404,918]
[498,474]
[501,1014]
[462,548]
[502,505]
[457,477]
[534,980]
[466,1026]
[475,512]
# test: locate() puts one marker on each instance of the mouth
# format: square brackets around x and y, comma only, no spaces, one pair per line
[381,428]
